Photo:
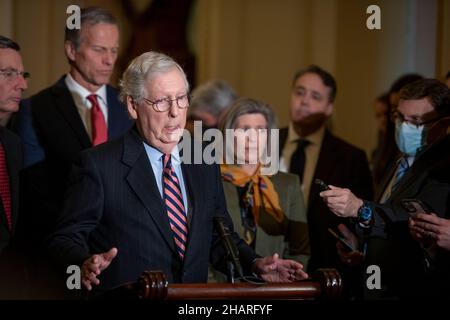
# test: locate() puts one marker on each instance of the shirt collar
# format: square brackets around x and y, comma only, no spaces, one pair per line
[82,93]
[156,156]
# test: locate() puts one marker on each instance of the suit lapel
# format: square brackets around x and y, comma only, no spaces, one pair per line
[66,105]
[142,180]
[193,190]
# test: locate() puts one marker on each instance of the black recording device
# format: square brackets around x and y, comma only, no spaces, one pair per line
[342,240]
[415,206]
[234,265]
[322,185]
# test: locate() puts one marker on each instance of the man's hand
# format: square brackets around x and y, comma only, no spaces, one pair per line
[93,266]
[352,258]
[274,269]
[342,202]
[426,227]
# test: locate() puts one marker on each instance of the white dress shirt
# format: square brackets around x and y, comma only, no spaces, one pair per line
[80,94]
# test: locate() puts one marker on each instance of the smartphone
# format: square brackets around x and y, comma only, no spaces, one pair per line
[415,206]
[342,240]
[322,185]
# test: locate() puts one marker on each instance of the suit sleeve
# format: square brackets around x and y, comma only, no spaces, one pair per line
[434,192]
[82,211]
[217,254]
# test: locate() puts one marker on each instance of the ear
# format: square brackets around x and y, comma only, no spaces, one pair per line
[131,107]
[70,50]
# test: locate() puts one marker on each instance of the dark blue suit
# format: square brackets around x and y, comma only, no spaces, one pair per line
[113,201]
[53,135]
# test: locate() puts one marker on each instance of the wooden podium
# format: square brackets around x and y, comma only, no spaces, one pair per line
[152,285]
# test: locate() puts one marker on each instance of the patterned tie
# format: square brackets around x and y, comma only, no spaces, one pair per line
[5,192]
[298,159]
[98,123]
[402,167]
[174,204]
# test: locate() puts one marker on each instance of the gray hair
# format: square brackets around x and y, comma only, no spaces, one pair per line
[89,16]
[244,106]
[143,68]
[212,97]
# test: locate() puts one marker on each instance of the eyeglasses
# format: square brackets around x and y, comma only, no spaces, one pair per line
[400,118]
[163,105]
[12,74]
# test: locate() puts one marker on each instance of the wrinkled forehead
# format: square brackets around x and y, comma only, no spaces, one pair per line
[10,59]
[168,82]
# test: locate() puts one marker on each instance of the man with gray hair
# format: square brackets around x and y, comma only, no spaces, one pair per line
[209,101]
[134,205]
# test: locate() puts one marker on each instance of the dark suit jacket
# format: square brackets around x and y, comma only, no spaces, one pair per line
[113,201]
[342,165]
[14,159]
[11,262]
[53,135]
[390,245]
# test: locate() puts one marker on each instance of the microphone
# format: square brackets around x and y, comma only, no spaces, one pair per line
[230,247]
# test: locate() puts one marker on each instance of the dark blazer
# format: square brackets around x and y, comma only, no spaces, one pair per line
[342,165]
[53,135]
[290,239]
[12,273]
[390,245]
[113,201]
[14,160]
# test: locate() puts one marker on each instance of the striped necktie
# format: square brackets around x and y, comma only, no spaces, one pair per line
[5,192]
[176,212]
[402,167]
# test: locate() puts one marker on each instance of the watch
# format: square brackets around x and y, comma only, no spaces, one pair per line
[365,212]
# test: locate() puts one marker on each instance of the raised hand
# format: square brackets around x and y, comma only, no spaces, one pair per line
[93,267]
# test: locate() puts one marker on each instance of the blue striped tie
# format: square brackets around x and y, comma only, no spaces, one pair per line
[402,167]
[174,205]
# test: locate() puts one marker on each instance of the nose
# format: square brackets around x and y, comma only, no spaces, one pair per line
[109,58]
[174,110]
[21,83]
[305,99]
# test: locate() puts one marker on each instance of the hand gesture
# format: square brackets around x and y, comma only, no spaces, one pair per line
[274,269]
[93,266]
[341,201]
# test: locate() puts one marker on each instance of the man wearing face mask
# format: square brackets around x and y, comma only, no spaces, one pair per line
[422,119]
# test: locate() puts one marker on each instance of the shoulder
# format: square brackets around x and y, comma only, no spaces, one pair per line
[49,93]
[343,146]
[283,178]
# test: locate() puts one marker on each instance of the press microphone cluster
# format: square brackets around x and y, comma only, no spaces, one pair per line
[230,247]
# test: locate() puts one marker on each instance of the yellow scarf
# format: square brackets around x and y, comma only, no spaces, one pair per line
[262,188]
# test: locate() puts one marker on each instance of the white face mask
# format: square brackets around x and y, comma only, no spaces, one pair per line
[410,138]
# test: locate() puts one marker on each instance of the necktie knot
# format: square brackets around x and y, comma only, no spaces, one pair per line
[167,164]
[92,98]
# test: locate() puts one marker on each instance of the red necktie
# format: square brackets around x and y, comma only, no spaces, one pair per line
[174,204]
[5,191]
[98,123]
